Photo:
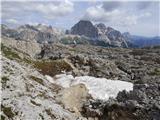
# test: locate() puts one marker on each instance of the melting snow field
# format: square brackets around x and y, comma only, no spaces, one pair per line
[99,88]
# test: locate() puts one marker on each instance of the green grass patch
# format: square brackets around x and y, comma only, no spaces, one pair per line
[4,81]
[2,117]
[8,112]
[43,95]
[38,80]
[52,67]
[27,60]
[13,55]
[9,53]
[138,82]
[156,72]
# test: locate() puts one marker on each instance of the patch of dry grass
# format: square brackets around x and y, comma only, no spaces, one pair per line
[52,67]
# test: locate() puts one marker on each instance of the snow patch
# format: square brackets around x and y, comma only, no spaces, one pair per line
[49,78]
[99,88]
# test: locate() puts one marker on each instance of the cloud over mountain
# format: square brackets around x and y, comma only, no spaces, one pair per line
[52,10]
[109,6]
[116,13]
[124,15]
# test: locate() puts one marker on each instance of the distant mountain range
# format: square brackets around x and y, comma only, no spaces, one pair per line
[83,32]
[39,33]
[142,41]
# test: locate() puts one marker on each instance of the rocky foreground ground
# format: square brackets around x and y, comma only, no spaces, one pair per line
[30,92]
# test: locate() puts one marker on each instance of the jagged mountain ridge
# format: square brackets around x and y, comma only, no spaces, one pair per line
[93,34]
[83,32]
[39,33]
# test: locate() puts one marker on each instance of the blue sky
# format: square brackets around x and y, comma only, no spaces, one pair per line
[138,18]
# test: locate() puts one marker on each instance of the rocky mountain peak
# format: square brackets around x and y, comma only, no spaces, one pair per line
[98,32]
[101,25]
[86,28]
[27,27]
[109,29]
[85,22]
[44,28]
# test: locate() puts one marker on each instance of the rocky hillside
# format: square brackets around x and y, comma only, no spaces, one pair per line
[27,95]
[73,83]
[136,65]
[28,92]
[54,81]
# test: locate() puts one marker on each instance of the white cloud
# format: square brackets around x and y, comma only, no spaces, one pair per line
[111,5]
[97,13]
[117,17]
[141,5]
[52,9]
